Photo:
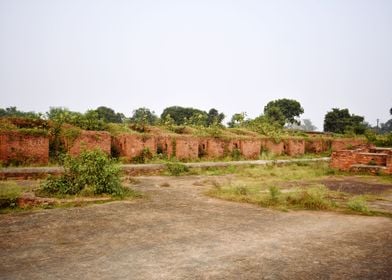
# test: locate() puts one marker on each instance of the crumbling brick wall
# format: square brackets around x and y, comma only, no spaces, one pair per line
[216,148]
[20,148]
[343,159]
[272,147]
[349,143]
[294,147]
[130,146]
[317,145]
[186,148]
[250,149]
[88,140]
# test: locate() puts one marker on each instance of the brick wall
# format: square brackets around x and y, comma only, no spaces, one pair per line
[317,145]
[294,147]
[89,140]
[187,148]
[130,146]
[20,148]
[349,143]
[272,147]
[250,149]
[343,159]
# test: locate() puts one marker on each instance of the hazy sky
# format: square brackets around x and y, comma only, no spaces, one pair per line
[232,55]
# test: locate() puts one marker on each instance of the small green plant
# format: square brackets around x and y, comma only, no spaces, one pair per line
[176,169]
[358,204]
[274,193]
[236,154]
[310,198]
[91,172]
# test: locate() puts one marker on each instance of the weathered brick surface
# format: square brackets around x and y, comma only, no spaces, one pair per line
[371,158]
[187,148]
[250,149]
[20,148]
[165,145]
[317,145]
[294,147]
[89,140]
[349,143]
[130,146]
[343,159]
[271,146]
[361,160]
[217,148]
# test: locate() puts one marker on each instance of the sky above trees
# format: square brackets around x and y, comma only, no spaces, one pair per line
[234,56]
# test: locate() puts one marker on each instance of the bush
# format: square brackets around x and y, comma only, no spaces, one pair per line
[310,198]
[176,169]
[92,170]
[143,157]
[274,194]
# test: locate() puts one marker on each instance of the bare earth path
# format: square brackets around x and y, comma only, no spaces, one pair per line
[178,233]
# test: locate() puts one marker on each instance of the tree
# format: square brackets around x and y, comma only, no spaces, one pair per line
[275,115]
[185,116]
[341,121]
[214,117]
[306,125]
[109,115]
[237,120]
[14,112]
[144,116]
[290,109]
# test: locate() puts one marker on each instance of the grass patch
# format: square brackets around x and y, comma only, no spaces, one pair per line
[358,204]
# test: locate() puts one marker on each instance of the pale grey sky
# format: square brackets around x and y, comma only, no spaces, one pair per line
[232,55]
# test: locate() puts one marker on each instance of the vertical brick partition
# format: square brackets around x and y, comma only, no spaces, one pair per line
[216,148]
[20,148]
[89,140]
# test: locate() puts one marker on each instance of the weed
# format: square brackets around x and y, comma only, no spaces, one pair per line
[274,193]
[358,204]
[310,198]
[176,169]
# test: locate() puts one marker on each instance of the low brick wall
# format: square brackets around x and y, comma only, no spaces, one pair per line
[20,148]
[89,140]
[317,145]
[343,159]
[371,158]
[130,146]
[186,148]
[250,149]
[271,146]
[349,143]
[294,147]
[216,148]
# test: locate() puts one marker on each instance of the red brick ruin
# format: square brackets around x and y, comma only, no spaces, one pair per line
[16,147]
[365,159]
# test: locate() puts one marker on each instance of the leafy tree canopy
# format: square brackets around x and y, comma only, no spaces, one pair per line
[289,108]
[144,116]
[214,117]
[341,121]
[184,116]
[237,120]
[109,115]
[14,112]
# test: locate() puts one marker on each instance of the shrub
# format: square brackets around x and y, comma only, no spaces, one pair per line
[143,157]
[92,170]
[176,169]
[274,194]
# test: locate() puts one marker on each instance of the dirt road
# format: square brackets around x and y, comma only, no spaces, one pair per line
[178,233]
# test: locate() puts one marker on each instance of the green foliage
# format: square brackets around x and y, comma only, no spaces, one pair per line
[358,204]
[275,193]
[144,116]
[237,120]
[289,109]
[310,198]
[176,169]
[264,126]
[275,115]
[144,156]
[14,112]
[108,115]
[236,154]
[340,121]
[185,116]
[88,121]
[214,118]
[92,170]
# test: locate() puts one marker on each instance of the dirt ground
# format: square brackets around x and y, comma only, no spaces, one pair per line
[176,232]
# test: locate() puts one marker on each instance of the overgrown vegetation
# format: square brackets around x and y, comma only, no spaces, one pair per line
[292,186]
[91,173]
[176,168]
